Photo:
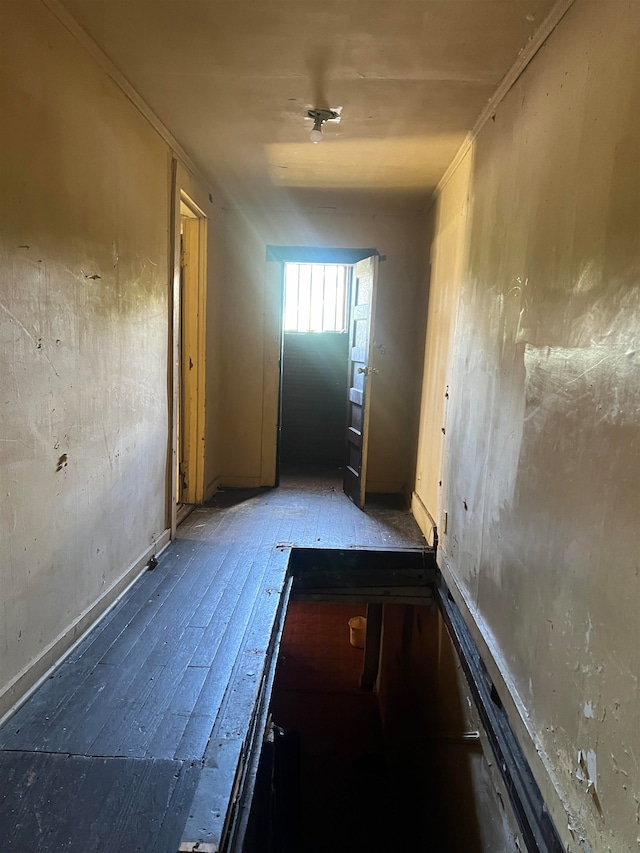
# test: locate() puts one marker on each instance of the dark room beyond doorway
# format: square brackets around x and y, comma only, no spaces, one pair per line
[314,379]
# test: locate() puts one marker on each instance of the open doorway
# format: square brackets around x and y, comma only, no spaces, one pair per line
[327,310]
[315,344]
[190,328]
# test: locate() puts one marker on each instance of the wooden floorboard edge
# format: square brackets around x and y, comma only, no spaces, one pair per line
[236,816]
[239,819]
[25,684]
[183,512]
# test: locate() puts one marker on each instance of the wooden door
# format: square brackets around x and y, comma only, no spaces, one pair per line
[191,378]
[363,293]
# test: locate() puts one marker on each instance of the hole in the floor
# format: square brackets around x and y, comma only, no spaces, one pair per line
[349,769]
[330,765]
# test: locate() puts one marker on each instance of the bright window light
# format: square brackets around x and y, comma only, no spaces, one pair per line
[315,297]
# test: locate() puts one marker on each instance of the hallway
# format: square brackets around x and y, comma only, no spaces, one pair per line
[136,741]
[158,170]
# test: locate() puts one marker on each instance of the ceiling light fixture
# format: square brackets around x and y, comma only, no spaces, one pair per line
[319,117]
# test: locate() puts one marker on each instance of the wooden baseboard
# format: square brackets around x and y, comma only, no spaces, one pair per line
[239,482]
[424,519]
[16,693]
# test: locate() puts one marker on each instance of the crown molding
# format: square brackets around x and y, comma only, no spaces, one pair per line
[66,19]
[525,56]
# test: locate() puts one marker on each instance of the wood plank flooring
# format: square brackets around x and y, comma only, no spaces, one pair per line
[135,741]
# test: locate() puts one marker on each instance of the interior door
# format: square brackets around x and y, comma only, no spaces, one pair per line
[363,295]
[190,429]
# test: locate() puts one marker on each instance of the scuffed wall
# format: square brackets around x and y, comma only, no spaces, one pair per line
[84,331]
[251,316]
[540,466]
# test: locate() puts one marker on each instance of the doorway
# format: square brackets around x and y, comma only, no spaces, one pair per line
[403,766]
[314,367]
[320,403]
[190,373]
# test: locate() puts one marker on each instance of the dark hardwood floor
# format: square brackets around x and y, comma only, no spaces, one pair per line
[134,742]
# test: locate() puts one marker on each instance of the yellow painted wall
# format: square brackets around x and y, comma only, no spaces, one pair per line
[85,187]
[541,459]
[446,252]
[250,331]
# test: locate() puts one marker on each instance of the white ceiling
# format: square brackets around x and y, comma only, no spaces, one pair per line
[233,79]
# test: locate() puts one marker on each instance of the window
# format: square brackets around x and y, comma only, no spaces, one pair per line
[315,297]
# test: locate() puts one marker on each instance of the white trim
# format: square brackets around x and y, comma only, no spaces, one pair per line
[25,684]
[525,56]
[82,36]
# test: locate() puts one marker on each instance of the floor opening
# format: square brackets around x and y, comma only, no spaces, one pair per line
[334,780]
[380,770]
[326,361]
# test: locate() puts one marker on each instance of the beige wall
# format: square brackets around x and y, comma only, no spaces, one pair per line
[250,331]
[446,242]
[540,470]
[85,186]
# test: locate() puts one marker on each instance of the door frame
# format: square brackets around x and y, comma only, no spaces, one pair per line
[188,320]
[359,398]
[276,257]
